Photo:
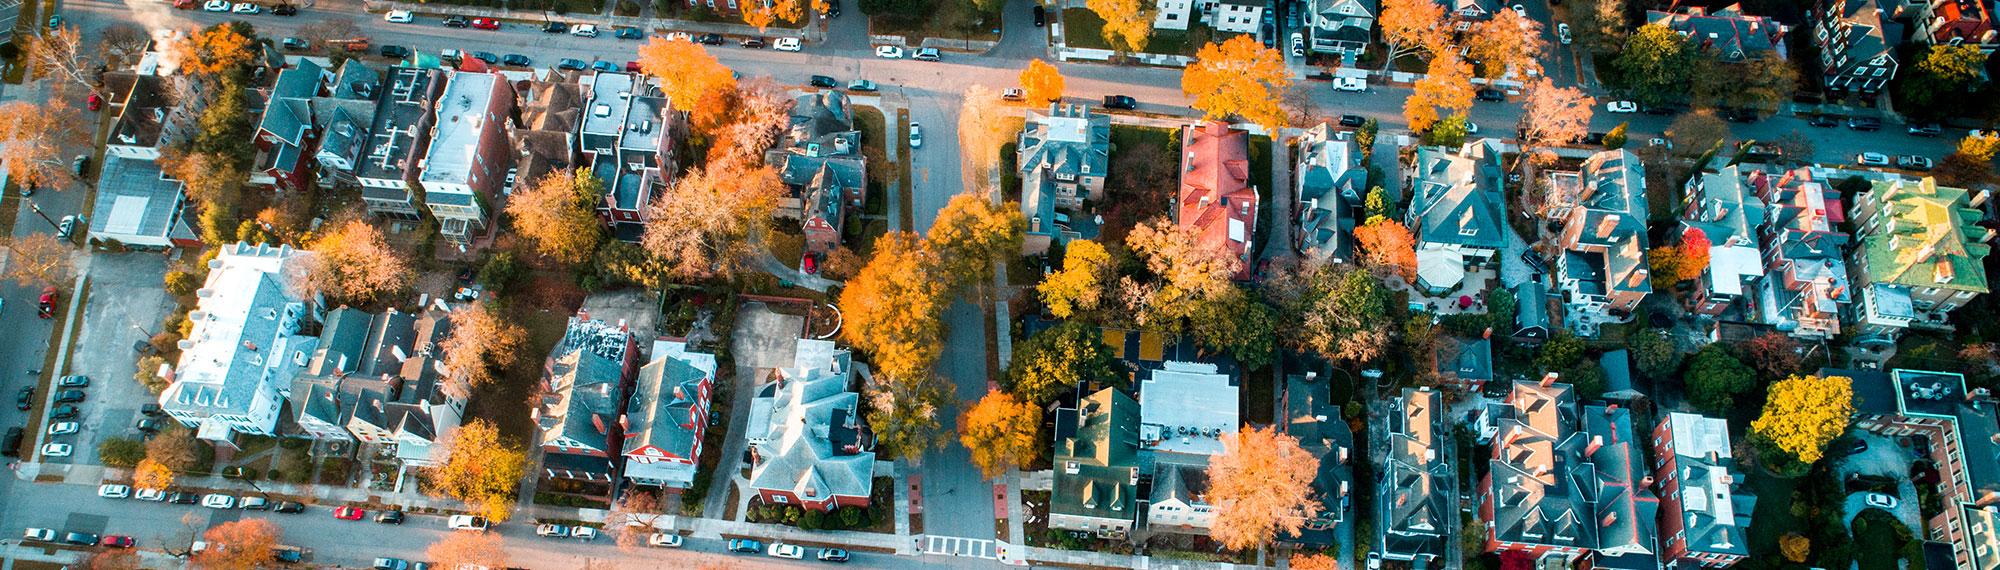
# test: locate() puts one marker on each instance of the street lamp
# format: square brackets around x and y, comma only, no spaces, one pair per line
[38,211]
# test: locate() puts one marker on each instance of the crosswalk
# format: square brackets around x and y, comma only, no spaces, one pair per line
[968,547]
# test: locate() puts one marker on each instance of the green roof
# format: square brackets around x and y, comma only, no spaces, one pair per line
[1930,239]
[1099,441]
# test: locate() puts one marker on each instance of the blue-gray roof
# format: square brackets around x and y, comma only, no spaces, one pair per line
[1457,198]
[135,200]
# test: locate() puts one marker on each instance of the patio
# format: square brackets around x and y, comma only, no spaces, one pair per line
[1468,296]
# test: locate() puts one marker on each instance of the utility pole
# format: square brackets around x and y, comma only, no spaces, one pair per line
[38,211]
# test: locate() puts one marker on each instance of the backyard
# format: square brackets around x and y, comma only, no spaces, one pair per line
[1083,28]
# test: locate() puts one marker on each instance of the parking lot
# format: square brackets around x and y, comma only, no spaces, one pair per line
[126,302]
[1885,458]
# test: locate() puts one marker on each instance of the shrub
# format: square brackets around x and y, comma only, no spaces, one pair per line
[121,451]
[792,514]
[854,517]
[811,520]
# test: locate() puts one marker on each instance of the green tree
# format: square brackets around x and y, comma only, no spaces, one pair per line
[1377,204]
[1940,74]
[1615,139]
[1060,358]
[1655,65]
[121,451]
[904,414]
[1715,379]
[1561,352]
[1654,353]
[1448,132]
[1586,377]
[1336,311]
[1237,324]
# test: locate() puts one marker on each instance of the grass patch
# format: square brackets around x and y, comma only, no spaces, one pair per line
[903,193]
[1883,543]
[951,20]
[874,140]
[1126,136]
[1260,178]
[1083,28]
[1010,171]
[787,247]
[1773,518]
[1183,42]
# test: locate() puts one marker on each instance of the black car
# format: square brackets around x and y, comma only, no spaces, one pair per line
[395,51]
[1926,130]
[456,22]
[69,396]
[629,33]
[571,64]
[1492,95]
[487,57]
[290,507]
[1864,123]
[710,39]
[1848,447]
[25,401]
[824,81]
[80,539]
[285,10]
[11,446]
[752,43]
[833,9]
[1740,115]
[555,28]
[1041,15]
[148,425]
[1823,121]
[151,410]
[1661,110]
[1352,121]
[516,59]
[1120,102]
[182,498]
[63,412]
[390,517]
[1593,139]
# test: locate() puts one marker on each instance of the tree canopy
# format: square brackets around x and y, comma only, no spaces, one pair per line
[1261,484]
[1079,286]
[1238,77]
[1128,24]
[1002,432]
[559,214]
[1060,358]
[891,308]
[1715,379]
[353,262]
[239,545]
[1801,415]
[1655,65]
[1041,82]
[480,468]
[1336,311]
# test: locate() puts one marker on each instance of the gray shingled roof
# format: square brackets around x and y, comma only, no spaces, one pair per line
[135,200]
[1457,196]
[1102,438]
[804,430]
[662,412]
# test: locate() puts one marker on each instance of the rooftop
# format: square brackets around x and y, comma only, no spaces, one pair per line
[1186,408]
[461,120]
[401,114]
[244,331]
[137,202]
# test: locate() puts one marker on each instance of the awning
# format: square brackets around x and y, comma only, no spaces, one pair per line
[1440,268]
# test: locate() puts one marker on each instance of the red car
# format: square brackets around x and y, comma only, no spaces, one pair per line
[349,513]
[486,23]
[632,66]
[47,304]
[95,102]
[118,541]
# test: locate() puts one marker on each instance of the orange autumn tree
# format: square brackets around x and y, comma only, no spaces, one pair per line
[1238,77]
[1388,246]
[689,76]
[1042,82]
[214,50]
[790,11]
[1410,27]
[152,475]
[483,549]
[1000,431]
[238,545]
[891,307]
[1445,90]
[355,263]
[1261,484]
[1303,561]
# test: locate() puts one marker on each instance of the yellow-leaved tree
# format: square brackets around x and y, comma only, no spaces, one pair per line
[891,307]
[762,15]
[481,469]
[1445,89]
[1000,432]
[480,341]
[559,214]
[1128,24]
[1079,286]
[971,234]
[1412,26]
[152,475]
[215,50]
[1042,82]
[689,76]
[355,263]
[1261,484]
[1801,415]
[1239,77]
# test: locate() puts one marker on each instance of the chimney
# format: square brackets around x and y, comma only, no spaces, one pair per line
[1646,481]
[1610,517]
[598,421]
[1487,334]
[1988,499]
[1979,198]
[1596,442]
[1549,379]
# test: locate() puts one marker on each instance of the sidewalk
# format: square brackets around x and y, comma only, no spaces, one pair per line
[605,20]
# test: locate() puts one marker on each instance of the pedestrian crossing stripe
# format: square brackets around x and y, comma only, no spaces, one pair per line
[966,547]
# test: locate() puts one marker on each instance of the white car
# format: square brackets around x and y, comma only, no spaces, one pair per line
[1520,10]
[1871,159]
[786,44]
[246,8]
[1622,107]
[583,30]
[889,52]
[62,428]
[583,533]
[466,522]
[1881,501]
[216,6]
[41,534]
[399,17]
[664,540]
[150,495]
[112,491]
[1562,33]
[680,36]
[916,135]
[56,450]
[219,501]
[791,551]
[1351,84]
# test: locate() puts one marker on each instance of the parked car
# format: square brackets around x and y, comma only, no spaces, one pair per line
[572,64]
[285,10]
[62,428]
[1926,130]
[1871,159]
[391,564]
[664,540]
[10,446]
[791,551]
[629,33]
[290,507]
[399,17]
[183,498]
[147,425]
[389,517]
[216,6]
[67,227]
[113,491]
[246,8]
[456,21]
[1014,94]
[555,28]
[552,531]
[632,67]
[349,513]
[1354,121]
[150,495]
[254,504]
[294,43]
[1562,33]
[604,66]
[824,81]
[56,450]
[916,135]
[486,56]
[63,412]
[41,534]
[1622,107]
[1880,501]
[466,522]
[787,44]
[152,410]
[219,501]
[80,539]
[1914,162]
[832,555]
[889,52]
[861,86]
[1350,84]
[583,533]
[1120,102]
[1492,95]
[584,31]
[73,381]
[1041,15]
[397,52]
[69,396]
[752,43]
[926,54]
[118,541]
[1298,44]
[745,545]
[26,399]
[1739,115]
[516,59]
[711,39]
[1864,123]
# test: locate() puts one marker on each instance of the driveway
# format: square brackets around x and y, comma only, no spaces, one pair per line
[128,299]
[1883,458]
[763,340]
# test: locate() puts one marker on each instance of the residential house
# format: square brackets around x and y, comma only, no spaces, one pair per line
[1565,483]
[1330,183]
[1602,270]
[821,163]
[1463,363]
[1704,509]
[376,379]
[1173,14]
[396,143]
[1919,254]
[1961,437]
[1063,157]
[1234,16]
[1531,312]
[1095,486]
[1955,22]
[1316,421]
[1806,288]
[342,119]
[1341,27]
[1857,45]
[285,134]
[1185,409]
[1721,213]
[728,9]
[139,206]
[667,417]
[1216,198]
[1457,211]
[469,155]
[1417,485]
[249,335]
[583,397]
[629,142]
[808,444]
[1468,11]
[547,130]
[1725,33]
[154,108]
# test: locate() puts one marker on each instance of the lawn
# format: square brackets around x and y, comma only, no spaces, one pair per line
[1260,178]
[1183,42]
[1010,171]
[903,194]
[951,20]
[1773,517]
[1084,29]
[1883,543]
[1127,136]
[874,133]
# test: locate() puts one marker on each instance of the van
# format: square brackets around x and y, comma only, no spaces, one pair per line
[451,56]
[926,54]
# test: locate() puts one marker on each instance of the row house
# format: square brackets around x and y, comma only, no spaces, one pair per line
[1962,436]
[376,379]
[1417,485]
[285,135]
[587,378]
[667,417]
[1095,486]
[1330,184]
[396,144]
[628,139]
[1185,411]
[249,335]
[1465,12]
[342,119]
[1216,199]
[1602,270]
[1721,213]
[547,126]
[469,154]
[1704,509]
[821,164]
[1063,157]
[1956,22]
[808,444]
[1566,482]
[1725,33]
[1340,27]
[1234,16]
[1806,289]
[1457,209]
[154,108]
[1316,421]
[1857,45]
[1919,255]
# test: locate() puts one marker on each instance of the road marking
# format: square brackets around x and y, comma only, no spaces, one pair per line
[967,547]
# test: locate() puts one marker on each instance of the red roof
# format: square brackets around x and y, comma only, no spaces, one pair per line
[1215,188]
